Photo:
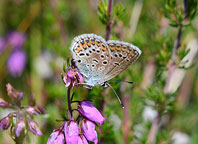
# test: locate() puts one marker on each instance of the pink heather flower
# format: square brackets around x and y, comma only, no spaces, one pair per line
[88,129]
[3,103]
[57,137]
[4,123]
[31,110]
[72,76]
[16,39]
[20,127]
[34,128]
[82,139]
[80,78]
[20,95]
[71,132]
[90,112]
[16,63]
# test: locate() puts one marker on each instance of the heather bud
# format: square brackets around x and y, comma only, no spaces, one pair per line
[32,111]
[72,77]
[34,128]
[20,127]
[4,123]
[88,129]
[57,137]
[71,132]
[3,103]
[82,139]
[20,95]
[90,112]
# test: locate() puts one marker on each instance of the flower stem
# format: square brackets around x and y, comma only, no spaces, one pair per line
[177,42]
[109,25]
[69,102]
[154,129]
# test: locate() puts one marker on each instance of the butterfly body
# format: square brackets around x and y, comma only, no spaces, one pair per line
[99,60]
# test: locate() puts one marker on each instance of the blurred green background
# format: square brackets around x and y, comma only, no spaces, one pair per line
[48,27]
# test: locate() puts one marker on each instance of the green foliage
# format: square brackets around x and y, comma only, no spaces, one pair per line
[180,15]
[194,139]
[160,101]
[118,12]
[103,12]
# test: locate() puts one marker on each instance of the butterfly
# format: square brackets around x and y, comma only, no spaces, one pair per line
[99,60]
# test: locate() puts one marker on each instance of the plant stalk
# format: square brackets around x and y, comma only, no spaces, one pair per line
[109,25]
[69,102]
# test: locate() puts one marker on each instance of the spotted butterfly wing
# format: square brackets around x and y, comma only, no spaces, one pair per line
[123,54]
[99,60]
[91,56]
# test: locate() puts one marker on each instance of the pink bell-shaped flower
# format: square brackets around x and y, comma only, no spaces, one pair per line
[90,112]
[71,132]
[82,139]
[4,123]
[20,128]
[57,137]
[88,129]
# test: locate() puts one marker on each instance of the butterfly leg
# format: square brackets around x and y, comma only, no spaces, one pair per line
[86,85]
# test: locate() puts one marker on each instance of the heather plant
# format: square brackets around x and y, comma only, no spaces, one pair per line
[159,91]
[20,119]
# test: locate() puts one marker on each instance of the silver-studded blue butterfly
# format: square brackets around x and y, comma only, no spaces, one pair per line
[99,60]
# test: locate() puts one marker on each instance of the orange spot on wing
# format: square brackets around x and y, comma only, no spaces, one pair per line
[125,50]
[112,47]
[89,44]
[78,50]
[83,45]
[118,48]
[103,48]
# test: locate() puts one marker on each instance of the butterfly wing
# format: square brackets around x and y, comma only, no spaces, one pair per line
[122,54]
[91,56]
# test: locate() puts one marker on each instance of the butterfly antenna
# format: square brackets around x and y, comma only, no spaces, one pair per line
[116,95]
[130,82]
